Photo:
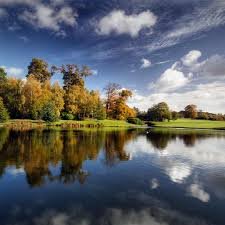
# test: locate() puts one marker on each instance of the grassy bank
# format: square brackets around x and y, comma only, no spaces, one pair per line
[189,123]
[68,123]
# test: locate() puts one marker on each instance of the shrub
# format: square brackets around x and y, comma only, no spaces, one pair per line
[4,115]
[135,120]
[67,116]
[49,112]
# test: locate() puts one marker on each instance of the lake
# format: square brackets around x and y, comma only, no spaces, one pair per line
[112,177]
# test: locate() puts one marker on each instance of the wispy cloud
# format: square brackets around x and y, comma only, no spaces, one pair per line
[203,18]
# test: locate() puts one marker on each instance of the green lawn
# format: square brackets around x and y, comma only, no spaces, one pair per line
[68,123]
[104,123]
[189,123]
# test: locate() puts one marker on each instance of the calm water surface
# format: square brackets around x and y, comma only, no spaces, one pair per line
[106,177]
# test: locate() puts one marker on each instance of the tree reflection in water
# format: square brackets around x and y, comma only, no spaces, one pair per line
[37,150]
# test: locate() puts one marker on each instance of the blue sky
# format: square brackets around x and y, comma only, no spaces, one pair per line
[168,50]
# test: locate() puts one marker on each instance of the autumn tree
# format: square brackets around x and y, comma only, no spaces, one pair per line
[75,94]
[32,93]
[4,116]
[191,111]
[57,97]
[96,106]
[38,68]
[116,107]
[121,110]
[159,112]
[111,92]
[11,94]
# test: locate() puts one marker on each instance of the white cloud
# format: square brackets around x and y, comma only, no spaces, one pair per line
[145,63]
[196,191]
[13,71]
[95,72]
[47,17]
[191,58]
[208,97]
[120,23]
[50,16]
[187,69]
[154,183]
[170,80]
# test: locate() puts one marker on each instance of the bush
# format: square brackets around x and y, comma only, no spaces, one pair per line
[4,115]
[49,113]
[67,116]
[135,120]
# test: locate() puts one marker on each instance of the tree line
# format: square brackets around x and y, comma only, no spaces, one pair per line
[37,98]
[161,112]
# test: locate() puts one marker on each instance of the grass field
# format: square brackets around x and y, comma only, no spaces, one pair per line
[189,123]
[68,123]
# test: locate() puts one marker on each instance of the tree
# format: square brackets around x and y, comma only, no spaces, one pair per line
[174,115]
[38,68]
[32,93]
[75,101]
[3,74]
[49,112]
[57,97]
[95,106]
[203,115]
[11,93]
[116,107]
[159,112]
[75,94]
[4,116]
[191,111]
[72,74]
[111,91]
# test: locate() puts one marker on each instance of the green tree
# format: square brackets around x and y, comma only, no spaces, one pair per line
[38,68]
[159,112]
[72,74]
[49,112]
[3,74]
[174,115]
[4,116]
[191,111]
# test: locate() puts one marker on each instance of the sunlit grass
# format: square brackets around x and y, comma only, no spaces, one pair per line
[82,123]
[189,123]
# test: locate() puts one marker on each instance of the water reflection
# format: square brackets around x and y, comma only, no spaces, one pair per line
[37,150]
[111,177]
